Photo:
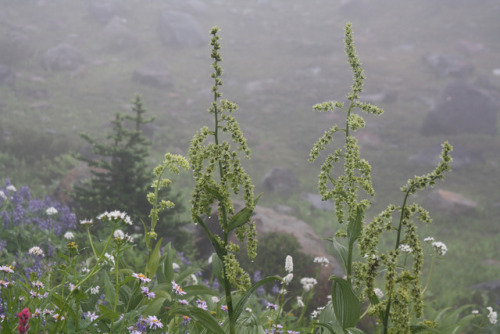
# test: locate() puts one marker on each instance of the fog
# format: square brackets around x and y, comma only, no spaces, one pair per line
[67,66]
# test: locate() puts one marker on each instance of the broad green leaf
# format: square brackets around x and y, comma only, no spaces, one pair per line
[202,317]
[154,260]
[168,269]
[107,313]
[241,303]
[109,288]
[332,328]
[155,306]
[217,269]
[354,331]
[341,251]
[240,219]
[354,227]
[346,305]
[199,290]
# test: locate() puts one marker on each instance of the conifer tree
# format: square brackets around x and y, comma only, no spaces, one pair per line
[121,177]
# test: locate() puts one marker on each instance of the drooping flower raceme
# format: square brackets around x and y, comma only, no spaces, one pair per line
[492,316]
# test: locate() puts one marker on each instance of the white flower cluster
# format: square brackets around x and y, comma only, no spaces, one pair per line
[308,283]
[69,235]
[405,248]
[115,216]
[440,247]
[37,251]
[492,316]
[378,293]
[120,236]
[289,269]
[51,211]
[321,260]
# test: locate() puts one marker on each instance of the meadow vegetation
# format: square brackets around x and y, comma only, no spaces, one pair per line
[112,272]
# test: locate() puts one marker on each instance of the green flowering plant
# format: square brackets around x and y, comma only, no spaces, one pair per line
[217,172]
[403,294]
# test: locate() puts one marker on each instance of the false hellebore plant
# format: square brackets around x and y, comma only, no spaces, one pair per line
[403,293]
[217,172]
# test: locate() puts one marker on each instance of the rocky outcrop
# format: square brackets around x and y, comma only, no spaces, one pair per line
[450,203]
[462,108]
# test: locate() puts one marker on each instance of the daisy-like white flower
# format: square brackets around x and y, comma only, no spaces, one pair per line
[272,306]
[153,322]
[141,277]
[405,248]
[202,304]
[308,283]
[177,289]
[94,290]
[69,236]
[378,293]
[148,294]
[440,247]
[492,316]
[321,260]
[51,211]
[86,222]
[36,313]
[58,317]
[36,251]
[289,264]
[39,285]
[6,269]
[92,316]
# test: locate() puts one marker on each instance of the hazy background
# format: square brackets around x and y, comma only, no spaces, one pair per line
[67,66]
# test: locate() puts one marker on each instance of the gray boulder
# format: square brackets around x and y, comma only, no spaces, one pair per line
[280,180]
[62,57]
[461,108]
[181,29]
[118,37]
[448,65]
[154,74]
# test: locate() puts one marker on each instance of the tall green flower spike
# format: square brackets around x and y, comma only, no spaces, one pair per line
[403,290]
[218,172]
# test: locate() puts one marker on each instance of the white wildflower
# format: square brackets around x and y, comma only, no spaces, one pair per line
[69,236]
[308,283]
[86,222]
[119,234]
[289,264]
[429,239]
[115,216]
[94,290]
[440,247]
[492,316]
[287,279]
[2,195]
[475,311]
[321,260]
[175,266]
[215,299]
[37,251]
[51,211]
[405,248]
[378,293]
[300,302]
[11,188]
